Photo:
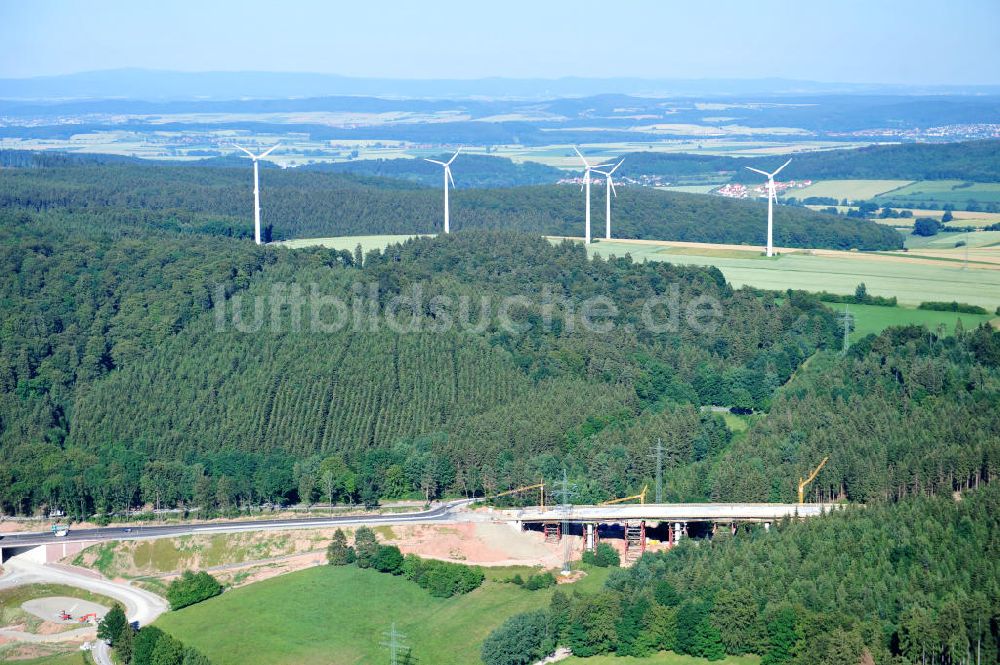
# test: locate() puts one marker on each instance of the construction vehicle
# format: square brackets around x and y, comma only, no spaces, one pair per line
[538,486]
[812,477]
[641,496]
[88,618]
[59,530]
[65,616]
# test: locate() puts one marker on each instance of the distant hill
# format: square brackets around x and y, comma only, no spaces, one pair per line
[470,171]
[977,161]
[302,204]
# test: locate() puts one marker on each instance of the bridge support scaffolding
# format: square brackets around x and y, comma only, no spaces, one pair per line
[553,532]
[635,540]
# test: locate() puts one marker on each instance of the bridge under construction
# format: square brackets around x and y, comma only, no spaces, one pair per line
[674,521]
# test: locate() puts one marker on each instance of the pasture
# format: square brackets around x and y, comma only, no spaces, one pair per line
[940,192]
[336,616]
[853,190]
[367,243]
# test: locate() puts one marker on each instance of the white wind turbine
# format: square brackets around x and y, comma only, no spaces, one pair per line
[772,197]
[587,168]
[256,187]
[607,199]
[447,177]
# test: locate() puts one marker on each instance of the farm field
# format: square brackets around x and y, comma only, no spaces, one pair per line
[690,189]
[961,218]
[912,279]
[932,270]
[336,616]
[855,190]
[367,243]
[874,319]
[941,192]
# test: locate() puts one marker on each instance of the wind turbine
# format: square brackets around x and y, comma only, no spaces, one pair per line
[607,199]
[447,177]
[587,168]
[256,187]
[772,197]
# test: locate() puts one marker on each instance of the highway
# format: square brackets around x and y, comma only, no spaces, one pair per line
[441,513]
[676,512]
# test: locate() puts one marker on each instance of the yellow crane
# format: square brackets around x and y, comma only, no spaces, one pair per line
[812,477]
[641,496]
[538,486]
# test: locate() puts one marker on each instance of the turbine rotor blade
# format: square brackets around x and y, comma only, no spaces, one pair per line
[781,167]
[434,161]
[250,154]
[268,151]
[447,170]
[454,156]
[763,173]
[612,184]
[582,158]
[616,167]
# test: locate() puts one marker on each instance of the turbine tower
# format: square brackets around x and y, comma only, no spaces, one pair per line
[447,177]
[587,168]
[256,187]
[771,198]
[607,200]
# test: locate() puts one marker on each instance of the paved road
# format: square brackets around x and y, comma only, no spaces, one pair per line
[441,513]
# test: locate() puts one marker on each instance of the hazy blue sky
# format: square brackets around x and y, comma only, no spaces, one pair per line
[883,41]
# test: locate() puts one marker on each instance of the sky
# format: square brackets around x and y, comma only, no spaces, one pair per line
[852,41]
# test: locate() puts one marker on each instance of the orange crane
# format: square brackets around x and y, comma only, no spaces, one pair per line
[812,477]
[641,496]
[537,486]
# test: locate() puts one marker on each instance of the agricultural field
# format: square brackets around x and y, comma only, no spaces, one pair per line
[940,275]
[934,269]
[854,190]
[336,616]
[940,192]
[874,319]
[367,243]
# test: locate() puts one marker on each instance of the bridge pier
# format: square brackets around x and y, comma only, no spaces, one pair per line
[590,537]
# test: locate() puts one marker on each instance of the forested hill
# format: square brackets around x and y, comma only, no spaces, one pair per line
[299,204]
[970,160]
[470,170]
[119,387]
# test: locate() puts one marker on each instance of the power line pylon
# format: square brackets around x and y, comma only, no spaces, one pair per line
[393,641]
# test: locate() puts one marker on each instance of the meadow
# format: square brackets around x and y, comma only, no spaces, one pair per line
[854,190]
[337,615]
[940,192]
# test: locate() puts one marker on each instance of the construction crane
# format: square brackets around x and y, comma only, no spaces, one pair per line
[812,477]
[641,496]
[538,486]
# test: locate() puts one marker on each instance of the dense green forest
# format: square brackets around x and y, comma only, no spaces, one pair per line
[299,204]
[472,170]
[977,161]
[116,375]
[913,582]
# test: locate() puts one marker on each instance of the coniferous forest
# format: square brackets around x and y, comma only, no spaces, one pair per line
[150,355]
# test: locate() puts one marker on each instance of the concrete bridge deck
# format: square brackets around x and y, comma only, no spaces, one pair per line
[675,512]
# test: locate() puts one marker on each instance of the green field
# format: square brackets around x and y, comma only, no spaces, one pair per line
[874,319]
[367,243]
[884,275]
[940,192]
[336,615]
[948,240]
[854,190]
